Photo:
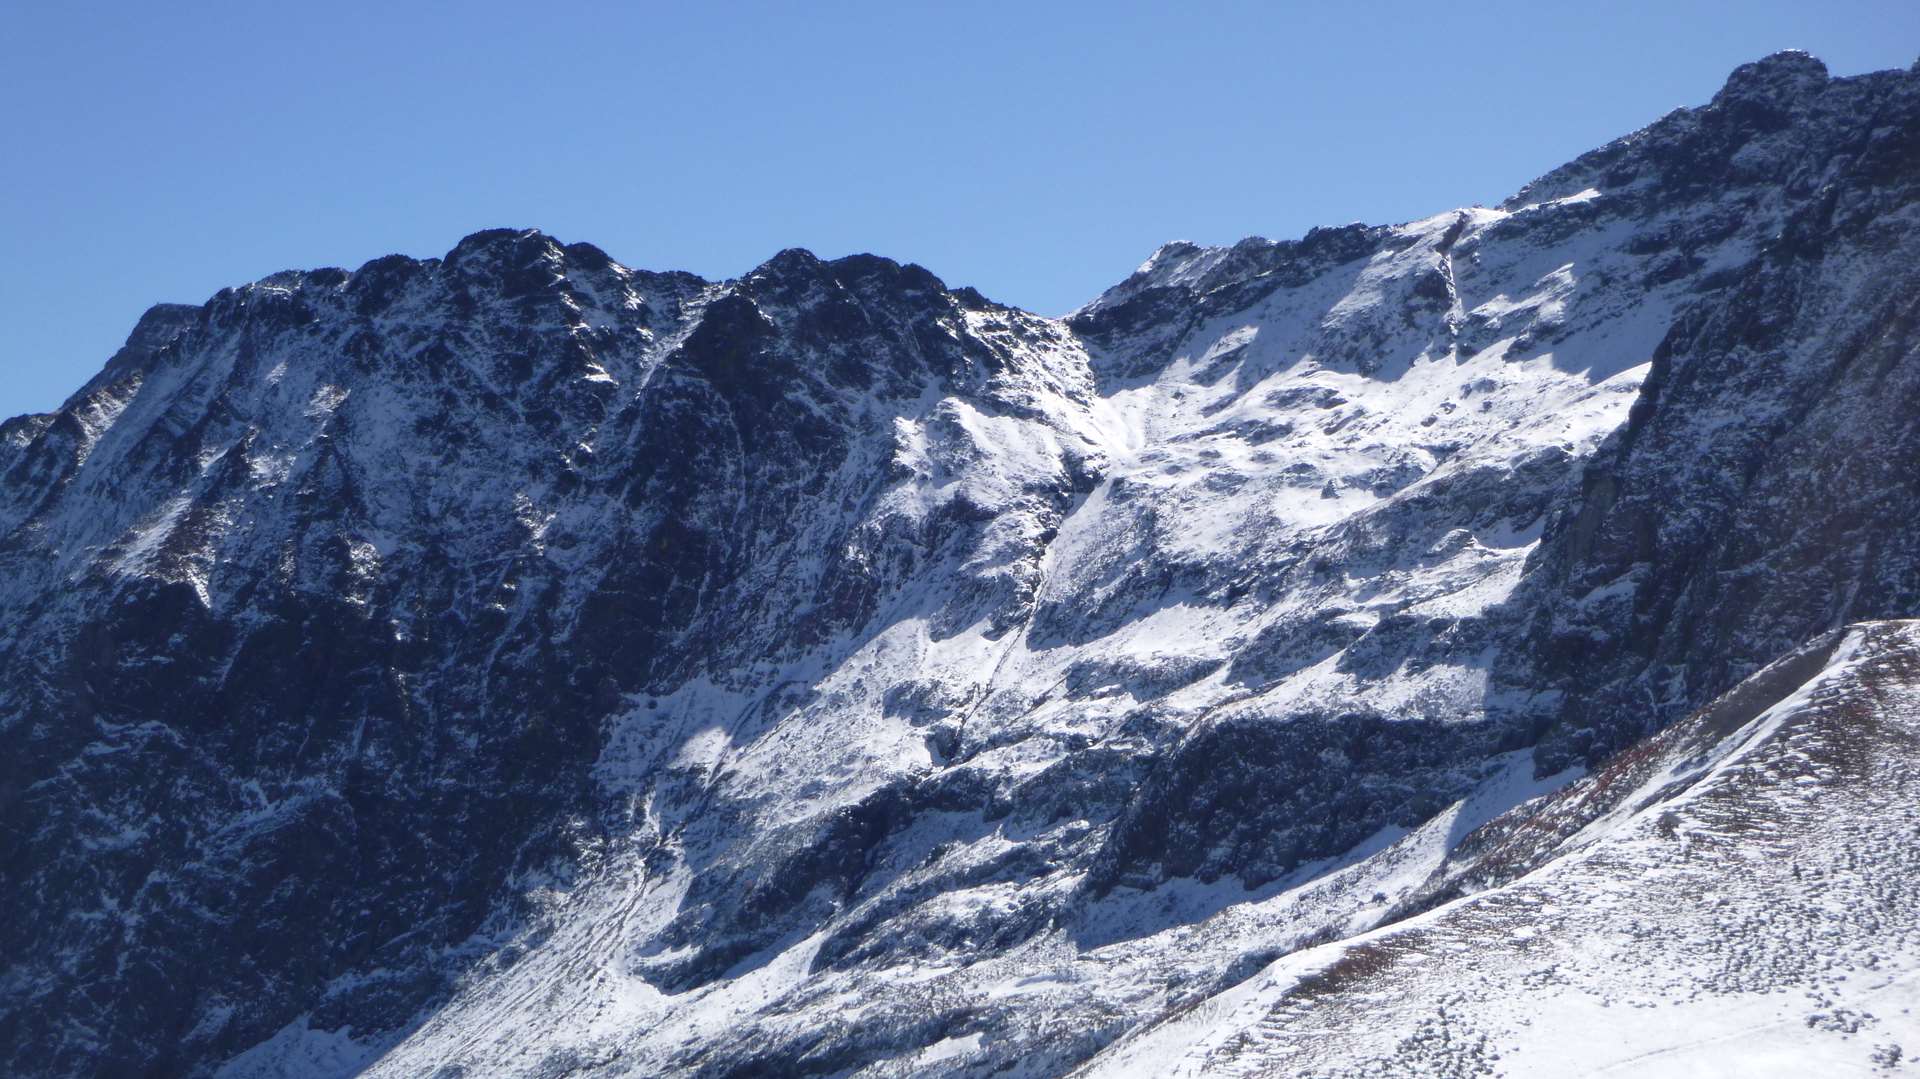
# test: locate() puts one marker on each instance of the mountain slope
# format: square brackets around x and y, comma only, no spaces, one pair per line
[1737,896]
[518,663]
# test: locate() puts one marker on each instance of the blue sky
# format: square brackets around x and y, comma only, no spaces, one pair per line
[1036,151]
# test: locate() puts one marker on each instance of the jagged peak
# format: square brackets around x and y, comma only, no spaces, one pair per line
[157,327]
[908,276]
[799,267]
[497,238]
[1759,100]
[1781,78]
[1172,261]
[788,260]
[160,322]
[1200,269]
[1171,251]
[588,256]
[519,246]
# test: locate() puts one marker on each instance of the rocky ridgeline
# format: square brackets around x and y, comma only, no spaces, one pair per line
[519,663]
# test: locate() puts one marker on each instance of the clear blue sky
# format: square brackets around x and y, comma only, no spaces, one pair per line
[1036,151]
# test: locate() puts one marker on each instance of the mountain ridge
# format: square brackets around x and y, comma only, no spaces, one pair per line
[814,671]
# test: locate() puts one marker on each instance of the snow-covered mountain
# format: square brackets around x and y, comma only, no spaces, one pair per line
[518,664]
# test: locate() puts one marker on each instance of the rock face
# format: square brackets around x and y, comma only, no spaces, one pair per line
[514,663]
[1756,497]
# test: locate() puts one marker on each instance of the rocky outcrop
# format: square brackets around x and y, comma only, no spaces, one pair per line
[1754,499]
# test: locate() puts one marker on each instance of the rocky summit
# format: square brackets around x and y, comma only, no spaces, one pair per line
[1469,646]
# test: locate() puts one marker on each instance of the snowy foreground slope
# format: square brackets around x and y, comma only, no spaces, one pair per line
[518,664]
[1740,895]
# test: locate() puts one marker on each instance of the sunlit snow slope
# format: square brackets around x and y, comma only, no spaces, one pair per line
[1738,896]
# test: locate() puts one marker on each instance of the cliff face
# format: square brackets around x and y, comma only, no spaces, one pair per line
[521,663]
[1755,498]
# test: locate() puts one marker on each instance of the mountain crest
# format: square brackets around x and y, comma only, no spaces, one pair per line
[515,663]
[1780,79]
